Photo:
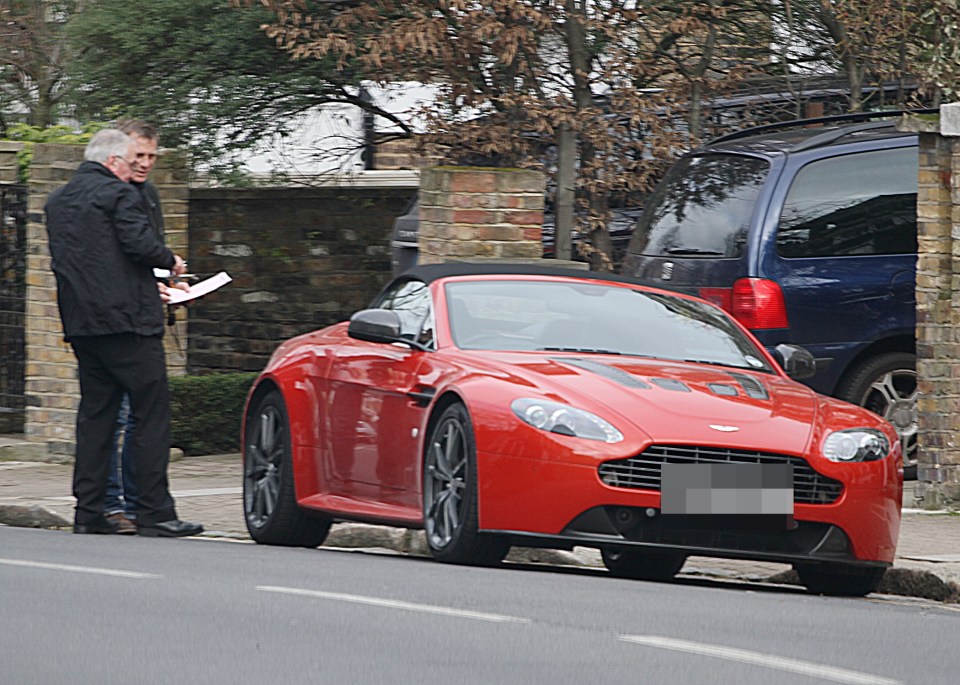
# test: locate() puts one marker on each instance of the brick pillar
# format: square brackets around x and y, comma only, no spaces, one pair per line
[52,390]
[938,310]
[8,161]
[170,175]
[477,212]
[51,374]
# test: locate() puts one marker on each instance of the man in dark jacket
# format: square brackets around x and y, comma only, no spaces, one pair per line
[103,252]
[122,500]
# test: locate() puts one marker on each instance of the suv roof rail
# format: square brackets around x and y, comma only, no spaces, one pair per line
[838,118]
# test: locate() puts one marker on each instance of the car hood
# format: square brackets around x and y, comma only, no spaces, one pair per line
[679,402]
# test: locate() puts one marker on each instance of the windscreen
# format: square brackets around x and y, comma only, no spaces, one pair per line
[588,318]
[702,207]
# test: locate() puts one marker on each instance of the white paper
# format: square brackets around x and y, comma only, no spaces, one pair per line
[202,288]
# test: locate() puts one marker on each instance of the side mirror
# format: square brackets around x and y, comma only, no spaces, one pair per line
[796,361]
[375,325]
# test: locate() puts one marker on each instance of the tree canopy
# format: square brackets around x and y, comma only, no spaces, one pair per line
[201,70]
[513,75]
[33,59]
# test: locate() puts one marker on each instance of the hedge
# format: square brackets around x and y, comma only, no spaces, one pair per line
[206,412]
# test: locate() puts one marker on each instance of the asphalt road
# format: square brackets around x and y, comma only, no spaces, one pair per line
[91,609]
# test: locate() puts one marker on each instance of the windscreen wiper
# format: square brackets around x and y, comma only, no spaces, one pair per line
[584,350]
[726,365]
[693,251]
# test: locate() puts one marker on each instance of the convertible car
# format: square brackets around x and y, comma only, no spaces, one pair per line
[499,405]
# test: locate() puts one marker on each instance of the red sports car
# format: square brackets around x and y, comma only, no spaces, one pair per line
[498,405]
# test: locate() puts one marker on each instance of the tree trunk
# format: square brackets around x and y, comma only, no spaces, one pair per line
[566,190]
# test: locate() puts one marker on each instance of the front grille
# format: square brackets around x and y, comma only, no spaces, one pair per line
[643,470]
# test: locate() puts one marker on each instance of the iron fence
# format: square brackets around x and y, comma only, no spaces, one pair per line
[13,291]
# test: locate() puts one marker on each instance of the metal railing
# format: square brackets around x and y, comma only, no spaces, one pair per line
[13,291]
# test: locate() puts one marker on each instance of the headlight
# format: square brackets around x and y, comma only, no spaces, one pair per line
[554,417]
[856,444]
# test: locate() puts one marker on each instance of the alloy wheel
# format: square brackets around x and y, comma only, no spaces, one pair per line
[262,470]
[446,483]
[893,395]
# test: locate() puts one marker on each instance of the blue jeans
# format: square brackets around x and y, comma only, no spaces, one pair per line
[121,486]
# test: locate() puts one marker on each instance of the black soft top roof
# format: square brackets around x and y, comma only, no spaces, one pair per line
[429,273]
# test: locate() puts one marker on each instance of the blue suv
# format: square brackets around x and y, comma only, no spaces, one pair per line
[807,233]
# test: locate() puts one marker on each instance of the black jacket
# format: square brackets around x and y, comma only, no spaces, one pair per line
[103,252]
[151,204]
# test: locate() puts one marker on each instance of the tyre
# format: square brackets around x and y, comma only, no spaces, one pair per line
[887,385]
[642,564]
[840,581]
[450,494]
[269,500]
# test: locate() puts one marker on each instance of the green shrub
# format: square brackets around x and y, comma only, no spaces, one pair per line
[206,412]
[30,135]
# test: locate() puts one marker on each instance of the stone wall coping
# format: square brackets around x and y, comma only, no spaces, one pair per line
[371,178]
[919,123]
[946,123]
[950,119]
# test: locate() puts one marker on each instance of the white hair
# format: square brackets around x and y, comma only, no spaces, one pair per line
[107,143]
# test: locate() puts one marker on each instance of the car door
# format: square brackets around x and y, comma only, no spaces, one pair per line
[373,447]
[844,252]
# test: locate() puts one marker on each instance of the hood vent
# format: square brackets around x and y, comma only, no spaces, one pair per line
[723,389]
[670,384]
[751,386]
[605,370]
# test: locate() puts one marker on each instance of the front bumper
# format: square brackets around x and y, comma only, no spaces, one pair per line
[563,505]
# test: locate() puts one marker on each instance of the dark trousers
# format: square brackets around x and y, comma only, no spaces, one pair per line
[109,366]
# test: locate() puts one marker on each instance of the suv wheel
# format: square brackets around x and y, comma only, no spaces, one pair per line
[887,385]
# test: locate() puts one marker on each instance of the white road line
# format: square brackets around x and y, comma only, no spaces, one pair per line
[78,569]
[838,675]
[203,492]
[395,604]
[207,492]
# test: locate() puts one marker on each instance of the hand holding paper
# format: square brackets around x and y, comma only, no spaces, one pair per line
[202,288]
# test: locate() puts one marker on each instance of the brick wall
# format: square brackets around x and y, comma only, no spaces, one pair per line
[938,310]
[480,212]
[300,259]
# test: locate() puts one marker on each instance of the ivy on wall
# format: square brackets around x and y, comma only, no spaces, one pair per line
[31,135]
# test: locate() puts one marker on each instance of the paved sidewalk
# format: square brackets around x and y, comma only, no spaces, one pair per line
[208,489]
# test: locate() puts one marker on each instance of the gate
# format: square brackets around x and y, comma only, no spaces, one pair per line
[13,296]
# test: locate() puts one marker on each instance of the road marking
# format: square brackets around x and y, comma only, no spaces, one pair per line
[207,492]
[201,492]
[78,569]
[395,604]
[838,675]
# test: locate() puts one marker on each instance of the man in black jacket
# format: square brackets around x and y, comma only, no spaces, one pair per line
[122,500]
[103,252]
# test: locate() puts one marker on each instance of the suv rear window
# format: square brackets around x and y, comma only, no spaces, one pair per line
[858,204]
[703,207]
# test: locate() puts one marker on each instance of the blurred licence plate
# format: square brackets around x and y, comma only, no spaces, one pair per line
[753,496]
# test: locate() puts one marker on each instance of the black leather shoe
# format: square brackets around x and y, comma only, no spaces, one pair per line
[97,527]
[169,529]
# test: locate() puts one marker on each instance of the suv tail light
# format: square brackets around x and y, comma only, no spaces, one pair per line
[722,297]
[758,304]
